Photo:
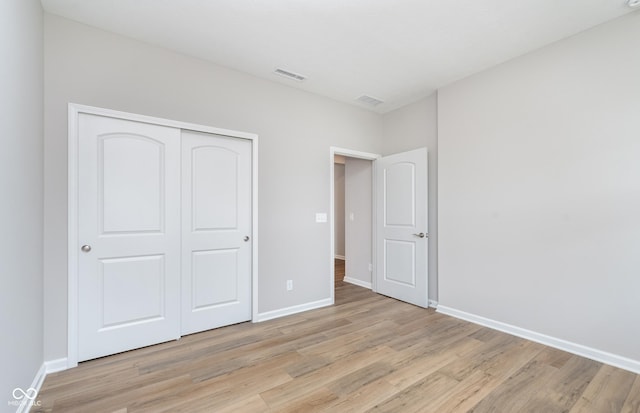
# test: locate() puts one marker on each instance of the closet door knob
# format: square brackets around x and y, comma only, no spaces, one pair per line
[246,238]
[86,248]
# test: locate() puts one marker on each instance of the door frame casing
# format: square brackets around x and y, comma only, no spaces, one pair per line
[350,153]
[73,242]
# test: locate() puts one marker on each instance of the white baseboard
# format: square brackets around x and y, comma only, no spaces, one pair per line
[339,257]
[39,378]
[46,368]
[54,366]
[356,281]
[26,404]
[578,349]
[270,315]
[433,304]
[35,384]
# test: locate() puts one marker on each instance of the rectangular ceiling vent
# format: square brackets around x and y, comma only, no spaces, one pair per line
[290,75]
[368,100]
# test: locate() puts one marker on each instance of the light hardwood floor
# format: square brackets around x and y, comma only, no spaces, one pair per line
[366,353]
[340,266]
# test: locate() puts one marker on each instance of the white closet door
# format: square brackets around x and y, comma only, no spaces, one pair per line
[129,230]
[216,231]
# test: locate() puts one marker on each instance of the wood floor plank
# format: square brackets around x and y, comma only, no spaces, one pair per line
[339,272]
[353,381]
[281,395]
[420,365]
[512,396]
[366,353]
[221,391]
[315,401]
[417,397]
[250,404]
[607,392]
[554,357]
[632,402]
[365,398]
[463,396]
[491,370]
[564,387]
[483,358]
[121,399]
[351,343]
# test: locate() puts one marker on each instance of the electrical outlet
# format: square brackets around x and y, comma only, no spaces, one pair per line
[289,285]
[321,217]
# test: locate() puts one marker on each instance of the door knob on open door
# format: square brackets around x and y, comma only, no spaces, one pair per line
[422,235]
[246,238]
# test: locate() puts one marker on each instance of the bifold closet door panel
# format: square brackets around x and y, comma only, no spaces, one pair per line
[216,231]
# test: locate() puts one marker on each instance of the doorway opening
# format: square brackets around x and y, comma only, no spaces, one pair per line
[352,218]
[386,225]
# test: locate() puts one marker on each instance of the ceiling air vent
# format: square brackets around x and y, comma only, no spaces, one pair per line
[290,75]
[633,3]
[368,100]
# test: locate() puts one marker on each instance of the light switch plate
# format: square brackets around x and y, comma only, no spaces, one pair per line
[321,217]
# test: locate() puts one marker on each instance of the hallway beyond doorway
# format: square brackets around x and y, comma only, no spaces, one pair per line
[339,271]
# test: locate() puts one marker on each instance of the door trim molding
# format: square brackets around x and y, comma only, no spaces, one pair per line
[350,153]
[73,244]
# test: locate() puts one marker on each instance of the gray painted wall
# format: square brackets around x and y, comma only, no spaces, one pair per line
[358,184]
[21,186]
[338,201]
[539,190]
[93,67]
[411,127]
[538,176]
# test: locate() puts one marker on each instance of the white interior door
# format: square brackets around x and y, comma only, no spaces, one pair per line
[129,230]
[216,231]
[401,226]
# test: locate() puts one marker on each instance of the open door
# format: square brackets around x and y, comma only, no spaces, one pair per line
[401,226]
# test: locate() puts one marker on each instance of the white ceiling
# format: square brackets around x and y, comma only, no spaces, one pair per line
[395,50]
